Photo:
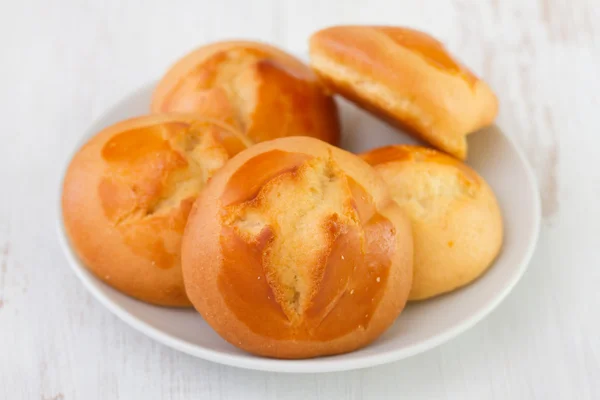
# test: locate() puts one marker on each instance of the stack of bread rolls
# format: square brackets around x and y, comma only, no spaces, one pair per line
[231,195]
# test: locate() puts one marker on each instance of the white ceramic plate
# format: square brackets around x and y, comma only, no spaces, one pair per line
[421,326]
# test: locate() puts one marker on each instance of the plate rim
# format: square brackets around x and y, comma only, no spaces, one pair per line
[312,365]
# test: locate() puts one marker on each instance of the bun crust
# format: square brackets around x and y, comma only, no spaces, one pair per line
[295,250]
[406,77]
[457,224]
[263,91]
[127,194]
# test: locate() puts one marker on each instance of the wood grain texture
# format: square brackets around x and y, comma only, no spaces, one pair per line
[65,62]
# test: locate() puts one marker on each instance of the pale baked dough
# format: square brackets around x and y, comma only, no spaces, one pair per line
[457,223]
[295,249]
[127,194]
[263,91]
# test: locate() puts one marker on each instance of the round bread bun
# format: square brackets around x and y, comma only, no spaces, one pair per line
[457,224]
[407,78]
[296,250]
[127,194]
[263,91]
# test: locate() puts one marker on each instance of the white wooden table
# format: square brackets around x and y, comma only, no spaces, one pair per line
[62,63]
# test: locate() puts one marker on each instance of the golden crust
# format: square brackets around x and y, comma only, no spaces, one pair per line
[309,257]
[127,194]
[406,77]
[457,223]
[263,91]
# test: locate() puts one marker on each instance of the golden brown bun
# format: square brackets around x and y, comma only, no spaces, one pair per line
[408,78]
[260,89]
[295,250]
[457,225]
[127,194]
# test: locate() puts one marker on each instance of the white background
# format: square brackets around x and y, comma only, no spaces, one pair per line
[62,63]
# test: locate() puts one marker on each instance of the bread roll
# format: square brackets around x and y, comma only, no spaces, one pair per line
[296,250]
[408,78]
[263,91]
[457,225]
[127,194]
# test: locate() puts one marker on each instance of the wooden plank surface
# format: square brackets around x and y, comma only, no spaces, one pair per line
[63,63]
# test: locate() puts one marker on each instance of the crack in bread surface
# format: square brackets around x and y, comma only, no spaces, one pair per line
[152,169]
[225,73]
[428,190]
[153,174]
[204,156]
[304,211]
